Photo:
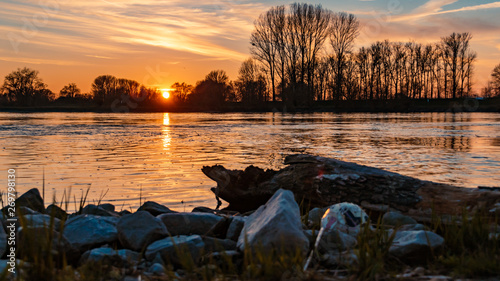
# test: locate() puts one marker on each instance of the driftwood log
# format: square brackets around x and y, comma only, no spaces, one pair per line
[320,182]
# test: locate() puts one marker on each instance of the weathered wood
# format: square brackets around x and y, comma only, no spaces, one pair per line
[319,182]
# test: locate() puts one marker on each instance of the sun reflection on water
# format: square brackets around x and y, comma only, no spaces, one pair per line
[167,139]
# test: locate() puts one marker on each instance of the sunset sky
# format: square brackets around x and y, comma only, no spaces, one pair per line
[158,43]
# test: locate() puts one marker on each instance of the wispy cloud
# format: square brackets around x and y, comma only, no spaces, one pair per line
[432,8]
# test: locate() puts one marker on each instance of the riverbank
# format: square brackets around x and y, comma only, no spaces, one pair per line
[155,243]
[372,106]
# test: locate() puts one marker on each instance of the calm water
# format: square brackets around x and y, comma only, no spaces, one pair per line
[158,156]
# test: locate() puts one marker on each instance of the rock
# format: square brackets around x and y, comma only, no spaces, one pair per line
[218,245]
[157,269]
[234,230]
[335,259]
[56,211]
[136,231]
[219,230]
[221,258]
[124,212]
[412,227]
[34,242]
[41,221]
[189,223]
[275,226]
[108,207]
[97,211]
[21,211]
[118,258]
[177,249]
[88,231]
[3,241]
[336,241]
[203,210]
[415,245]
[315,215]
[154,208]
[397,219]
[32,200]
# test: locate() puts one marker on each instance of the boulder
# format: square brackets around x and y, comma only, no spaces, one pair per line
[136,231]
[92,209]
[203,210]
[218,245]
[157,269]
[314,216]
[42,221]
[35,241]
[234,230]
[108,207]
[415,245]
[154,208]
[56,211]
[176,250]
[87,231]
[275,225]
[397,219]
[118,258]
[336,241]
[189,223]
[21,211]
[32,200]
[3,241]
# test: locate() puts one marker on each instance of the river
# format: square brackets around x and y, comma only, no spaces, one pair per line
[126,159]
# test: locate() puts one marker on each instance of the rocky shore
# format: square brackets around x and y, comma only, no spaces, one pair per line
[272,242]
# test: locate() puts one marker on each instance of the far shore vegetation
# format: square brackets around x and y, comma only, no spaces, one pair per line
[303,58]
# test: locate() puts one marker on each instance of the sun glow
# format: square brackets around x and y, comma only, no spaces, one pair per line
[166,93]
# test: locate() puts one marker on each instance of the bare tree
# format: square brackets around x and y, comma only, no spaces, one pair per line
[343,31]
[181,91]
[495,75]
[24,87]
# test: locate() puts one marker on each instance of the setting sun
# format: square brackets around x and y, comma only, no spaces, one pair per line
[166,93]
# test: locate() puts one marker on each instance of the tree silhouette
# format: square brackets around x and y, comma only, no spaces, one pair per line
[70,91]
[495,75]
[24,87]
[181,91]
[251,84]
[213,91]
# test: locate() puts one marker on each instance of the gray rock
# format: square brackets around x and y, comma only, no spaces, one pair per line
[234,230]
[397,219]
[408,227]
[32,200]
[108,207]
[154,208]
[334,259]
[34,241]
[97,211]
[218,245]
[3,241]
[315,215]
[275,225]
[189,223]
[177,249]
[157,269]
[25,211]
[336,241]
[415,245]
[88,231]
[118,258]
[202,210]
[136,231]
[56,211]
[41,221]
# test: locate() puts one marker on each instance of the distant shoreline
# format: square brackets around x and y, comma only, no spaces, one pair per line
[356,106]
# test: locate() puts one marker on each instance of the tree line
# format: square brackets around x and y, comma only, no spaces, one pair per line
[300,54]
